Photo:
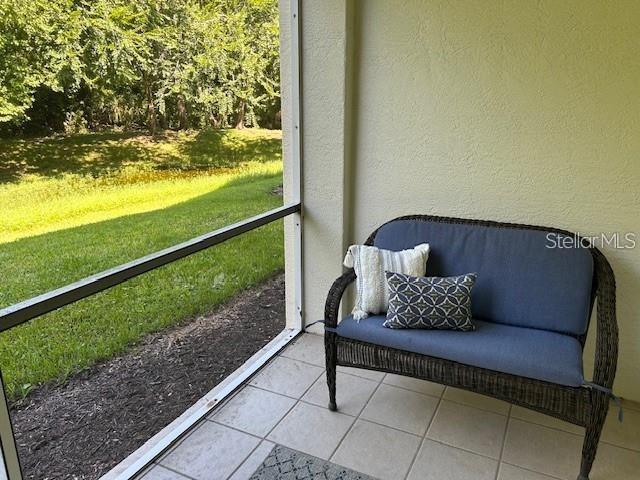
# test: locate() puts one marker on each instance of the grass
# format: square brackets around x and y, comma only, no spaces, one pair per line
[77,205]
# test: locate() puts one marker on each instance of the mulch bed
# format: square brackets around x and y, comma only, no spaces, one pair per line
[83,428]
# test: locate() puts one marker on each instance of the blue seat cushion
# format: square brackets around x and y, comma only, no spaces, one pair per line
[521,281]
[526,352]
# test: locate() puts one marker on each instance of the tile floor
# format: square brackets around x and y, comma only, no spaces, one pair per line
[389,427]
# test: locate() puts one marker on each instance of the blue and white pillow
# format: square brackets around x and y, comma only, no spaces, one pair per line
[439,303]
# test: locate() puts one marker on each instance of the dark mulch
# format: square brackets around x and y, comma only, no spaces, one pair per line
[85,427]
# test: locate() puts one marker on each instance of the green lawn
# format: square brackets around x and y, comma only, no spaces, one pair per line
[73,206]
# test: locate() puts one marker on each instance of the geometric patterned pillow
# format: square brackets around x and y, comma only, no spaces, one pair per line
[441,303]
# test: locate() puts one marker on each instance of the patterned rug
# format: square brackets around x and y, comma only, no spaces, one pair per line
[286,464]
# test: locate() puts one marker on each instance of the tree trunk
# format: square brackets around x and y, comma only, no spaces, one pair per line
[183,121]
[215,121]
[151,109]
[241,114]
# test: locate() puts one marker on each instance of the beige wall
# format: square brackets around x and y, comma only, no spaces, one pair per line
[323,144]
[507,110]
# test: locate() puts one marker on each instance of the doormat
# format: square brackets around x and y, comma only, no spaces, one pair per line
[286,464]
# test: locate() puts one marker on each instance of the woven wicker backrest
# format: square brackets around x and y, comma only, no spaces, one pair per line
[524,277]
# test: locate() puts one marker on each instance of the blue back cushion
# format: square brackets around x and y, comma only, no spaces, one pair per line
[520,281]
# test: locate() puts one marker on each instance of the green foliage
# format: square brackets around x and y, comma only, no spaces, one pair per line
[38,49]
[80,204]
[159,63]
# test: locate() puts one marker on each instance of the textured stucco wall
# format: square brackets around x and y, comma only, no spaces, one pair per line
[323,144]
[507,110]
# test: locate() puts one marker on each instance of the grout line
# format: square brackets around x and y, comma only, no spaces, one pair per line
[353,424]
[236,429]
[461,449]
[483,409]
[197,424]
[629,449]
[414,391]
[280,355]
[632,405]
[335,450]
[342,368]
[218,407]
[415,456]
[504,440]
[419,435]
[174,446]
[302,400]
[390,428]
[264,439]
[283,355]
[210,417]
[245,459]
[359,417]
[581,435]
[424,437]
[555,429]
[298,401]
[274,392]
[284,394]
[307,402]
[171,470]
[539,424]
[360,376]
[532,471]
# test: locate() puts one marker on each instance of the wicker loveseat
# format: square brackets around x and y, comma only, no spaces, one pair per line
[531,305]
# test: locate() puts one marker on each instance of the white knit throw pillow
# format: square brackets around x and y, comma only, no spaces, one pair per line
[370,264]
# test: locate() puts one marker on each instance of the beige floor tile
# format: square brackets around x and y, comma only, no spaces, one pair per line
[510,472]
[310,429]
[628,405]
[400,408]
[362,372]
[211,451]
[476,400]
[623,434]
[252,463]
[316,329]
[415,384]
[307,348]
[545,420]
[254,411]
[158,472]
[613,463]
[436,461]
[381,452]
[542,449]
[468,428]
[352,393]
[288,377]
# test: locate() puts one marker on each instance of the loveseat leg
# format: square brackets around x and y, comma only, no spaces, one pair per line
[330,361]
[592,434]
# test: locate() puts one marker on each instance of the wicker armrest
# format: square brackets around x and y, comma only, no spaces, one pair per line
[607,328]
[334,297]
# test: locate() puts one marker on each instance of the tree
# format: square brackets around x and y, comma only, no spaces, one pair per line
[38,48]
[158,63]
